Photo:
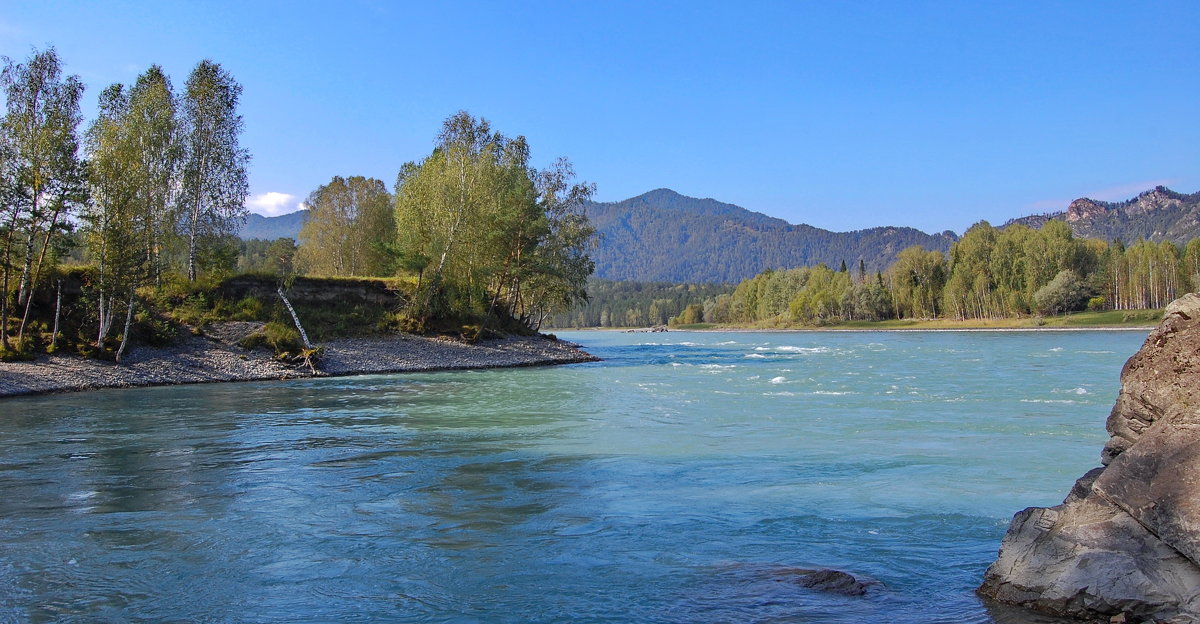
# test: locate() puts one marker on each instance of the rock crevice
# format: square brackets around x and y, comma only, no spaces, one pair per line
[1126,540]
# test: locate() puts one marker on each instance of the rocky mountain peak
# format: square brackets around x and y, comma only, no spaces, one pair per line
[1084,209]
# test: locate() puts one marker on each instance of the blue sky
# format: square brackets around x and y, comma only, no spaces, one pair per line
[840,115]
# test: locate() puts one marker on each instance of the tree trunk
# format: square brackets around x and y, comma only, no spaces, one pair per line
[4,289]
[37,272]
[57,315]
[128,323]
[192,255]
[192,234]
[295,318]
[26,270]
[100,331]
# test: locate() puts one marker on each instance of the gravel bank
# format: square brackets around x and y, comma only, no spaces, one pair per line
[217,358]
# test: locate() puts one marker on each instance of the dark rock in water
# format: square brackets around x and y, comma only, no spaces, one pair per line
[1125,544]
[825,580]
[832,581]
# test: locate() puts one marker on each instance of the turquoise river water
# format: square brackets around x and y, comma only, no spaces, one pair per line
[676,481]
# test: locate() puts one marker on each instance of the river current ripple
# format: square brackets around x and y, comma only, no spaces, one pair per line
[676,481]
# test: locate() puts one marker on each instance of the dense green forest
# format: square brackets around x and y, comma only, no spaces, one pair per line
[635,304]
[990,273]
[135,219]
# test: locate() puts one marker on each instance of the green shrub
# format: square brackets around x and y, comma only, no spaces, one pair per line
[16,355]
[153,330]
[1065,293]
[280,338]
[248,309]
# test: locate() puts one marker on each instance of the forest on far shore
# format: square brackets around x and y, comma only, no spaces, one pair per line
[991,273]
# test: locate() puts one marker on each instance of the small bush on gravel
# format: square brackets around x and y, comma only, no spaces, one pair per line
[248,309]
[280,338]
[9,355]
[153,330]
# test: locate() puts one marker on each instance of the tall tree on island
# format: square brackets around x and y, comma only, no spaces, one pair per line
[135,156]
[486,231]
[214,185]
[154,152]
[42,174]
[115,227]
[350,220]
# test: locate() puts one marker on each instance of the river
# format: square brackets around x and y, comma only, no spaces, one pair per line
[676,481]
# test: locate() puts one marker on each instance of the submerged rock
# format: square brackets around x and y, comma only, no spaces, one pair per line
[832,581]
[1125,543]
[823,580]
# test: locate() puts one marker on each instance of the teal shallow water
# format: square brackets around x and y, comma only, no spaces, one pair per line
[669,483]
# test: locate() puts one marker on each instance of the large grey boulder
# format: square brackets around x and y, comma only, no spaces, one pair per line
[1125,543]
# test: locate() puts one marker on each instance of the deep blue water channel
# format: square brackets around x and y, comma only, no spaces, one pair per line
[674,482]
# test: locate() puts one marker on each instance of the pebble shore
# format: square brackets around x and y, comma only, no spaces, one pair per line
[216,358]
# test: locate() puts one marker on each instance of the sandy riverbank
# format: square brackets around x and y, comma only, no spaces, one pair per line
[216,358]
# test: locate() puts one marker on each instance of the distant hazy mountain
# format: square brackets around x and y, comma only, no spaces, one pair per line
[665,236]
[271,228]
[1159,214]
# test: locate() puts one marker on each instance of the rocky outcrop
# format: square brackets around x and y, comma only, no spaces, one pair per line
[1159,214]
[1126,541]
[1083,209]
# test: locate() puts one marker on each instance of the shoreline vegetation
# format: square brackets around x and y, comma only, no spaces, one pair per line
[120,266]
[1081,321]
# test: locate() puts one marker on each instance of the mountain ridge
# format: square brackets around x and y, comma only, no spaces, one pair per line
[665,236]
[1158,214]
[662,235]
[270,228]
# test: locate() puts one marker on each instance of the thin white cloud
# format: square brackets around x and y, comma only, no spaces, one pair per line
[1126,191]
[1110,194]
[273,204]
[1046,205]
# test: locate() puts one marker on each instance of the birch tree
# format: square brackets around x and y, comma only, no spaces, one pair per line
[42,172]
[486,231]
[135,152]
[350,220]
[214,170]
[154,153]
[113,227]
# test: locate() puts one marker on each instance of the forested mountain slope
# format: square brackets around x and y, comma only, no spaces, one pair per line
[271,228]
[665,236]
[1157,215]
